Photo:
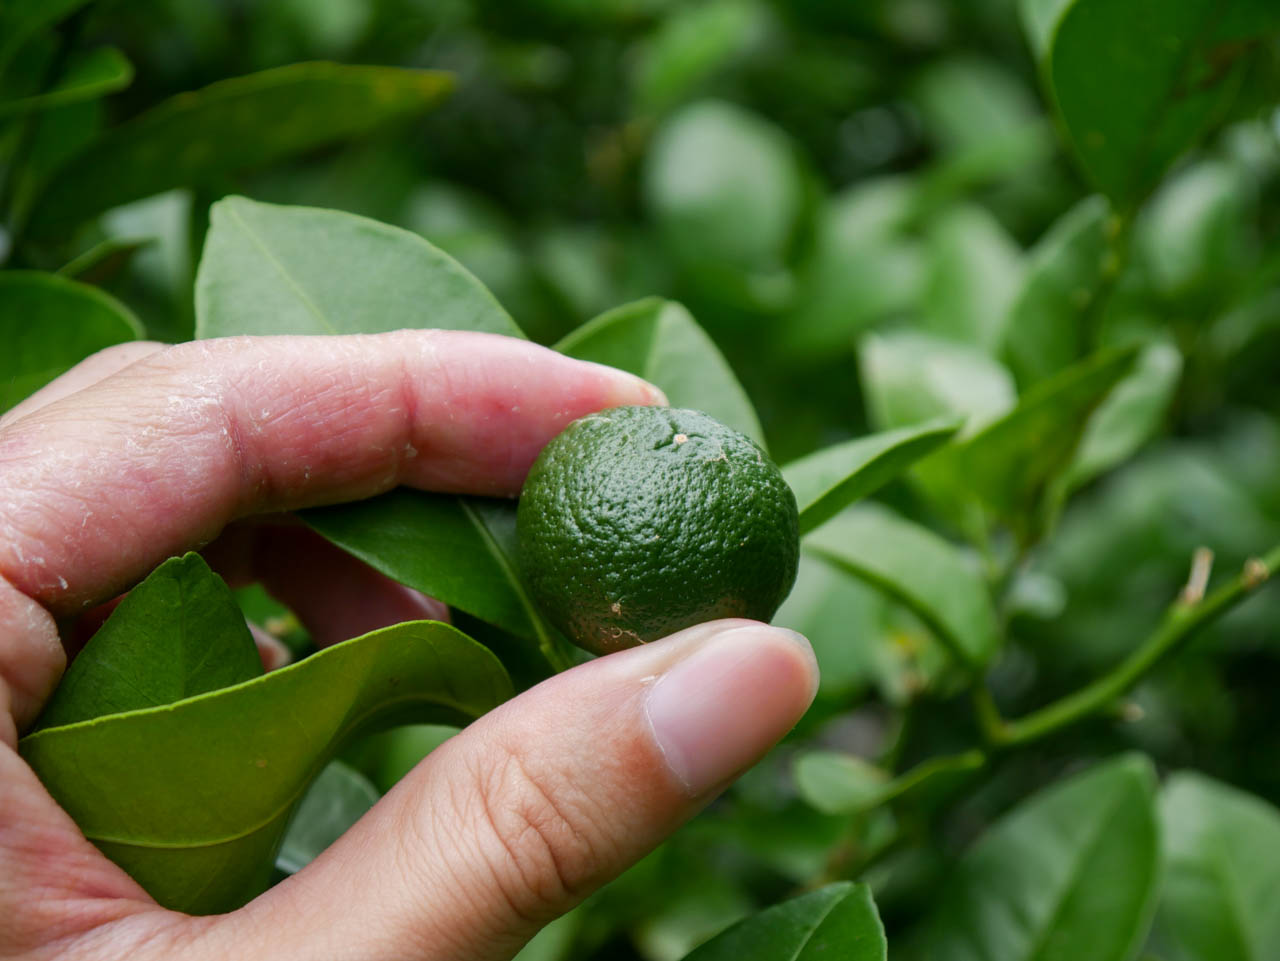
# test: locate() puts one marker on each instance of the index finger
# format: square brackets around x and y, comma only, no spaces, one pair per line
[99,486]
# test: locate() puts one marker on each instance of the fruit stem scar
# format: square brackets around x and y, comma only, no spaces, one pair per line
[680,438]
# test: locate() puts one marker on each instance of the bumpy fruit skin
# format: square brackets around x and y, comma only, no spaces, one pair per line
[639,521]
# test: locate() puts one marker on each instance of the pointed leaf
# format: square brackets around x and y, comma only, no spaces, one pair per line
[48,324]
[1131,108]
[660,341]
[177,634]
[337,799]
[1222,873]
[838,921]
[460,550]
[1070,873]
[917,568]
[232,125]
[268,269]
[829,480]
[99,72]
[193,798]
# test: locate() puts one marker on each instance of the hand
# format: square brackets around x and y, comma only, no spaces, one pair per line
[143,452]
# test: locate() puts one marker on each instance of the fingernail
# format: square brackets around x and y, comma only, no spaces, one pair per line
[720,709]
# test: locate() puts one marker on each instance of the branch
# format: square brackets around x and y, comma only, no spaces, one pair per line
[1189,615]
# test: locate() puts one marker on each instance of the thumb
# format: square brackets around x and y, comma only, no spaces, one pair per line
[514,821]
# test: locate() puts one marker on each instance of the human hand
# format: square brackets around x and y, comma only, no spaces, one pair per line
[143,452]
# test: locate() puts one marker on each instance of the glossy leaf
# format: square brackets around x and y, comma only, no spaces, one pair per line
[300,270]
[838,921]
[916,567]
[460,550]
[837,783]
[201,790]
[1131,414]
[1070,873]
[177,634]
[48,324]
[1131,108]
[1012,463]
[1045,329]
[232,125]
[99,72]
[975,269]
[910,377]
[337,798]
[660,341]
[829,480]
[1222,873]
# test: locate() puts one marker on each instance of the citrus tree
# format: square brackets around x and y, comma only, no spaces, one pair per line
[996,283]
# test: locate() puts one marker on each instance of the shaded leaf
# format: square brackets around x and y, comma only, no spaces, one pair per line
[97,73]
[1070,873]
[660,341]
[49,324]
[232,125]
[177,634]
[201,790]
[828,480]
[1131,108]
[338,797]
[1222,873]
[919,569]
[460,550]
[19,22]
[838,921]
[300,270]
[1045,328]
[104,260]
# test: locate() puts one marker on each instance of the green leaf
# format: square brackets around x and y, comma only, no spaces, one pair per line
[1070,873]
[1131,414]
[910,377]
[1130,108]
[200,791]
[916,567]
[104,260]
[660,341]
[1222,873]
[300,270]
[828,480]
[1012,463]
[724,187]
[232,125]
[338,797]
[1045,329]
[838,921]
[460,550]
[864,267]
[99,72]
[49,324]
[974,272]
[837,783]
[20,21]
[177,634]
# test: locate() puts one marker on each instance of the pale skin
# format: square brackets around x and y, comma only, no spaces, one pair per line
[146,451]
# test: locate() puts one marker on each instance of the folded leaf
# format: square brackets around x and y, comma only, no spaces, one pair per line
[660,341]
[838,921]
[177,634]
[829,480]
[1070,873]
[917,568]
[269,269]
[232,125]
[48,324]
[1222,873]
[193,798]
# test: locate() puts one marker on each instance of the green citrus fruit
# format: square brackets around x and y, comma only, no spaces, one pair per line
[639,521]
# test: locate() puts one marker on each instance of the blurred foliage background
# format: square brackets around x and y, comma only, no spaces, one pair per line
[863,204]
